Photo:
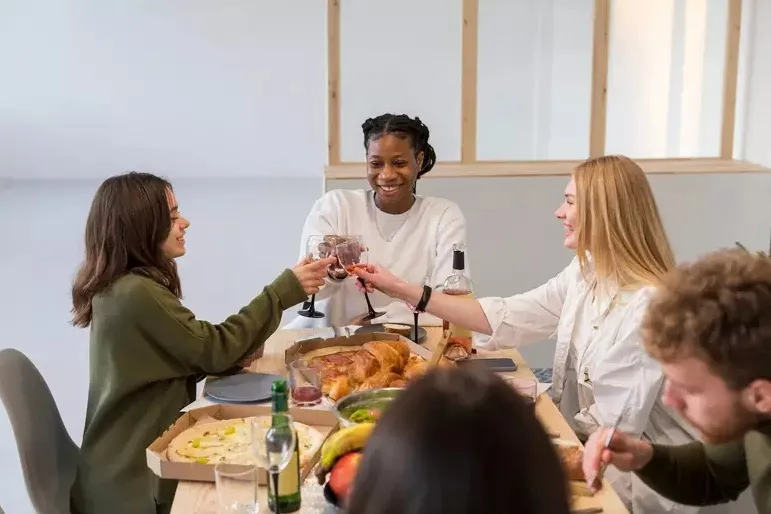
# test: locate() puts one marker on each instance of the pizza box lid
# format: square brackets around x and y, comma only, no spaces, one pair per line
[309,345]
[322,420]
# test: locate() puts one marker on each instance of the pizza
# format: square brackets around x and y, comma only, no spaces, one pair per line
[229,441]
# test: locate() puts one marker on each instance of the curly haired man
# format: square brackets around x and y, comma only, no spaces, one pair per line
[709,325]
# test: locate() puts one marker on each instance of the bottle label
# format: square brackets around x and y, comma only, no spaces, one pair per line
[289,479]
[457,331]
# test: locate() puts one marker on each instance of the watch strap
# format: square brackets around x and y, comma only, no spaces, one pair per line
[421,306]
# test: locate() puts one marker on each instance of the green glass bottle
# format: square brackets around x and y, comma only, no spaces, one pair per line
[289,499]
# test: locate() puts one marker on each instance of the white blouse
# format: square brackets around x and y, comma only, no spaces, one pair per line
[412,245]
[600,365]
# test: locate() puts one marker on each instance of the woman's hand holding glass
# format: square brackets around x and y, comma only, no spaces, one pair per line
[378,278]
[311,274]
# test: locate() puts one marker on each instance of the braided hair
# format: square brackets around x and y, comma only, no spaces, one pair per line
[402,126]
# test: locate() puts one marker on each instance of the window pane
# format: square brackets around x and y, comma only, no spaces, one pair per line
[665,77]
[401,56]
[534,86]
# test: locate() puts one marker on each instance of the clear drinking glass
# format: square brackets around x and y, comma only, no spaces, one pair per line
[236,488]
[304,384]
[273,440]
[527,387]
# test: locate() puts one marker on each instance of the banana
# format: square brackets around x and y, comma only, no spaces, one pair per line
[343,441]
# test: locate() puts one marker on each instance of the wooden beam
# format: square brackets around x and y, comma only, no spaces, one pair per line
[357,170]
[333,81]
[599,100]
[468,108]
[730,77]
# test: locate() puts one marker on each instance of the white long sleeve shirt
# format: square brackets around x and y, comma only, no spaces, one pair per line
[599,363]
[412,246]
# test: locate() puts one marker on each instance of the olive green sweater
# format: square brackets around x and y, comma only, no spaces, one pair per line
[698,474]
[146,350]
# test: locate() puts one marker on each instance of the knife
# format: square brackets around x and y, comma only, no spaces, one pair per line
[613,428]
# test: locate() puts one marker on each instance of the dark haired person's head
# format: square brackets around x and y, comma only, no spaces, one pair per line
[134,225]
[459,442]
[398,154]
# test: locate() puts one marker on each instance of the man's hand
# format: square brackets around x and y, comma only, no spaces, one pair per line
[625,452]
[311,273]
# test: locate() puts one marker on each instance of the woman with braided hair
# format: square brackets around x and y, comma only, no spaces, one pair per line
[411,235]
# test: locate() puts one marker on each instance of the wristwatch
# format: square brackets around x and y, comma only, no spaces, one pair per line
[421,306]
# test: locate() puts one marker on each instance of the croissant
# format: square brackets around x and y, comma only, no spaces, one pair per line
[403,349]
[388,358]
[363,365]
[414,368]
[379,380]
[339,388]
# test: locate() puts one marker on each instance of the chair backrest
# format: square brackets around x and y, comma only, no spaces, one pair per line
[48,455]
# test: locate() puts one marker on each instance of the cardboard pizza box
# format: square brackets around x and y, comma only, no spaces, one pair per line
[324,421]
[306,346]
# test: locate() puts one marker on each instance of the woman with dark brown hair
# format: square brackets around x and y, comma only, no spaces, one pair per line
[495,457]
[146,349]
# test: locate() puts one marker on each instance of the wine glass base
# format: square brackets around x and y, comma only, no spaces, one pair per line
[309,314]
[370,316]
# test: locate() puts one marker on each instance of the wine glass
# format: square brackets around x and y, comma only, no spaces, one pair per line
[273,444]
[353,255]
[416,312]
[316,248]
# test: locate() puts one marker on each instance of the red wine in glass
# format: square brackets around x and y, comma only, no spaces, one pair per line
[306,395]
[353,255]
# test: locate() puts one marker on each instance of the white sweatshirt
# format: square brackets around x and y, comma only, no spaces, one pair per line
[412,246]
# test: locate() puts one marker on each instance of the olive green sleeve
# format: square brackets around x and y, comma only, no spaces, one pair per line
[200,346]
[695,474]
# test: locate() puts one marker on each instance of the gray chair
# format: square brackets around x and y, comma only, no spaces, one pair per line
[47,453]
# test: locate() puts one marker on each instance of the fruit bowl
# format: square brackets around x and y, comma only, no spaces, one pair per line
[363,402]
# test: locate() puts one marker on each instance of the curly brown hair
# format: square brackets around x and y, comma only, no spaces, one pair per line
[717,309]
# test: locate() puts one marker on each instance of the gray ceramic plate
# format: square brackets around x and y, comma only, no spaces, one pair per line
[366,329]
[244,387]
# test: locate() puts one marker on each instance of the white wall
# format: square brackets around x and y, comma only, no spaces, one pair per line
[189,88]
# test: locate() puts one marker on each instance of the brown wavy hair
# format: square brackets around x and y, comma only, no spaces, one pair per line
[128,221]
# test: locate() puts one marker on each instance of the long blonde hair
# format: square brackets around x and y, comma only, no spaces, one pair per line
[619,223]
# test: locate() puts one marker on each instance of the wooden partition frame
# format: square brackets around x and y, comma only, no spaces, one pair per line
[469,166]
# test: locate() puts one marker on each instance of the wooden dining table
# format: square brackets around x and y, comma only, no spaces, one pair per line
[201,497]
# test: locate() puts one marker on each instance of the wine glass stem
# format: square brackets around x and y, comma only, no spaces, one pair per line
[275,493]
[366,296]
[415,334]
[312,307]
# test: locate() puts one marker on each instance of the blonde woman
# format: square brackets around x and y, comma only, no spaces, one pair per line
[594,308]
